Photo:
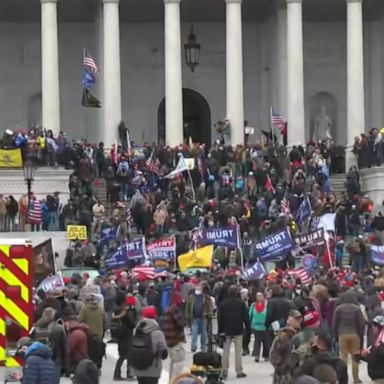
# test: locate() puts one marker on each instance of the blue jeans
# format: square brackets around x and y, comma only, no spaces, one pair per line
[199,327]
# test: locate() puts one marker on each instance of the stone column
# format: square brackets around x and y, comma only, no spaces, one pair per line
[173,75]
[355,76]
[112,76]
[295,74]
[235,86]
[50,66]
[99,28]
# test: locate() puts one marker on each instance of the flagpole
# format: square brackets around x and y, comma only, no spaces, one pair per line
[272,127]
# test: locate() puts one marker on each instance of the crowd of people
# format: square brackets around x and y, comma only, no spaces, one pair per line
[299,324]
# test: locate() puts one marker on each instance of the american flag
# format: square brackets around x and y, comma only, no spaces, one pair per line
[285,206]
[153,165]
[279,121]
[129,219]
[302,274]
[143,272]
[89,64]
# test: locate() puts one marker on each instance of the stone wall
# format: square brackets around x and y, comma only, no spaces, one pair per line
[372,184]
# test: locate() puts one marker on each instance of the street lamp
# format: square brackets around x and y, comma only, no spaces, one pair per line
[192,51]
[29,170]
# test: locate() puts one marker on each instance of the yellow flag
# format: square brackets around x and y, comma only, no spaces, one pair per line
[10,158]
[199,258]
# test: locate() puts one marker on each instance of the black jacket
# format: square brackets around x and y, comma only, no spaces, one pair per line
[233,317]
[375,362]
[310,363]
[277,310]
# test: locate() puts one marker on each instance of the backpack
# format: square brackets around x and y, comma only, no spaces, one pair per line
[43,334]
[141,352]
[96,349]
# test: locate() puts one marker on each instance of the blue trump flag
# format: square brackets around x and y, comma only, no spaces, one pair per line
[274,246]
[107,234]
[377,254]
[304,211]
[257,271]
[225,237]
[117,259]
[130,251]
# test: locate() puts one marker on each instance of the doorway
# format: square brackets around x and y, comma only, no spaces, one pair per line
[196,119]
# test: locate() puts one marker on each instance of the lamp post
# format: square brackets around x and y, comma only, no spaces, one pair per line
[192,51]
[29,170]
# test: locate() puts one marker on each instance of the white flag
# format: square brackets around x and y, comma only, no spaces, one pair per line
[180,167]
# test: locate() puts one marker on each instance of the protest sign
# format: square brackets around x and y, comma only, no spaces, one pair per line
[136,249]
[257,271]
[77,232]
[162,249]
[276,245]
[304,211]
[309,262]
[306,240]
[52,283]
[225,237]
[377,254]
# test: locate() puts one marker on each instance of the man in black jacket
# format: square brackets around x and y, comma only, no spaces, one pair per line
[232,319]
[321,354]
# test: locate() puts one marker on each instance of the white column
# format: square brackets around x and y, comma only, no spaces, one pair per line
[50,66]
[173,75]
[355,76]
[235,86]
[112,75]
[295,73]
[99,28]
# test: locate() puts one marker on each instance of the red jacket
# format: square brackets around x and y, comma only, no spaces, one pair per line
[77,342]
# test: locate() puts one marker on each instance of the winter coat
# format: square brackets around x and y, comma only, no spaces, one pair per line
[232,317]
[173,326]
[77,342]
[375,362]
[159,349]
[277,310]
[310,363]
[39,367]
[58,341]
[95,318]
[86,373]
[207,307]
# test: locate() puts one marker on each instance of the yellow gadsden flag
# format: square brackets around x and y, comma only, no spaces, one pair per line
[10,158]
[199,258]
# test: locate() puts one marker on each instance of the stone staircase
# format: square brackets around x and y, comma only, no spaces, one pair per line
[99,188]
[337,184]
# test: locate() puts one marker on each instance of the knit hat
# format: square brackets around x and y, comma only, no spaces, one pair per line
[130,301]
[149,313]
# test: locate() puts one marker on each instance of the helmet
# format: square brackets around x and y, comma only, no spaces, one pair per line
[379,320]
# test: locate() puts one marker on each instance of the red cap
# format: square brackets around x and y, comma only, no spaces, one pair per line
[131,301]
[311,319]
[149,313]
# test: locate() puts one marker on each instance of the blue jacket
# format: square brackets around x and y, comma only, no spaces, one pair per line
[39,367]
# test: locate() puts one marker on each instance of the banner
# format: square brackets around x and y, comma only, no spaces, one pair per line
[180,167]
[377,254]
[190,163]
[162,249]
[52,283]
[43,261]
[274,245]
[225,237]
[77,232]
[309,263]
[327,222]
[199,258]
[129,251]
[310,239]
[257,271]
[10,158]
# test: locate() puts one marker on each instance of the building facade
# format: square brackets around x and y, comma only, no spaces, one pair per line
[319,63]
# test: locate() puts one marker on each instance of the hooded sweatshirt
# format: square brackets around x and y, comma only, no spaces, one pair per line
[94,317]
[159,349]
[39,367]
